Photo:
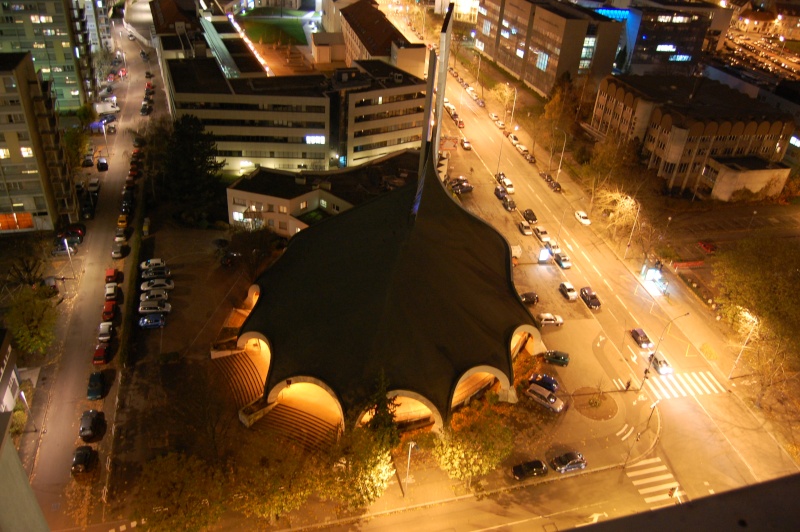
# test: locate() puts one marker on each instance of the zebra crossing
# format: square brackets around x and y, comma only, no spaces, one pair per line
[684,385]
[655,483]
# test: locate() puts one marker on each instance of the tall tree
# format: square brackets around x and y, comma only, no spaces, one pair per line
[192,173]
[475,444]
[382,409]
[180,492]
[359,468]
[32,320]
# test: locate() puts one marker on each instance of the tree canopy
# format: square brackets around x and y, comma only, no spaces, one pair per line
[32,320]
[191,171]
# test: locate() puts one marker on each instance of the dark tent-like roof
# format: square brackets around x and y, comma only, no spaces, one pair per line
[376,289]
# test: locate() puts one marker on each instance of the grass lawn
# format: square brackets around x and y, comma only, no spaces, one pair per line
[268,31]
[274,12]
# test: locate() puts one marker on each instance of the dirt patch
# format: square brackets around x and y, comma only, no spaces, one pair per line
[594,404]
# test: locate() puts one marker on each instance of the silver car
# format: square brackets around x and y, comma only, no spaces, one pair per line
[545,398]
[151,307]
[158,294]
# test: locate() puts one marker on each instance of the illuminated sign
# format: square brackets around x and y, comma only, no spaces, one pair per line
[666,48]
[794,141]
[315,139]
[680,58]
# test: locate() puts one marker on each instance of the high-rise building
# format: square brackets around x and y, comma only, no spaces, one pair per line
[60,38]
[35,187]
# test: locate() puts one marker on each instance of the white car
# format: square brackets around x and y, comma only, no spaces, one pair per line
[522,148]
[158,294]
[525,228]
[493,117]
[105,331]
[94,185]
[152,263]
[153,284]
[568,291]
[500,124]
[549,319]
[509,186]
[111,291]
[541,233]
[514,139]
[660,363]
[151,307]
[583,218]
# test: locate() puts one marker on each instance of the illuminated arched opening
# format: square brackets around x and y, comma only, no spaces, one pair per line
[258,347]
[413,410]
[310,395]
[253,293]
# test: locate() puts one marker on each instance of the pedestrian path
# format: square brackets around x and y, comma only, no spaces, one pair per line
[679,385]
[655,483]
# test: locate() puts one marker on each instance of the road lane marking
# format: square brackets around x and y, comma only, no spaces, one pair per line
[659,478]
[669,386]
[712,382]
[621,303]
[646,461]
[700,382]
[641,472]
[628,435]
[664,497]
[653,489]
[622,429]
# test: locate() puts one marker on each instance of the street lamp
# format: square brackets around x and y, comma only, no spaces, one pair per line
[753,328]
[513,106]
[751,219]
[411,445]
[625,255]
[28,408]
[69,254]
[650,359]
[563,147]
[105,138]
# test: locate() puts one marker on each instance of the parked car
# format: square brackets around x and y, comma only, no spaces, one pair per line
[641,339]
[590,298]
[529,298]
[154,273]
[465,144]
[545,398]
[111,275]
[541,233]
[105,332]
[547,177]
[100,355]
[493,117]
[71,239]
[568,291]
[553,247]
[102,164]
[525,228]
[152,321]
[63,251]
[154,295]
[83,460]
[562,259]
[500,124]
[559,358]
[118,250]
[549,319]
[529,216]
[544,380]
[522,148]
[462,187]
[569,461]
[660,364]
[152,284]
[90,425]
[508,185]
[152,263]
[556,186]
[509,204]
[96,387]
[111,291]
[122,221]
[582,218]
[151,307]
[708,247]
[109,309]
[513,138]
[533,468]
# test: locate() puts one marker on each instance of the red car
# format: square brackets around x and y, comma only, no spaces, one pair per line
[100,355]
[109,308]
[707,246]
[111,275]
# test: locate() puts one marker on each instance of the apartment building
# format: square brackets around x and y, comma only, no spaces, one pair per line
[698,134]
[35,187]
[542,41]
[58,35]
[288,202]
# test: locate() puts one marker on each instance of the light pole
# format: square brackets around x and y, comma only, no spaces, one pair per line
[105,138]
[736,362]
[411,445]
[652,409]
[650,360]
[69,254]
[751,219]
[28,408]
[513,106]
[478,77]
[563,147]
[627,247]
[561,223]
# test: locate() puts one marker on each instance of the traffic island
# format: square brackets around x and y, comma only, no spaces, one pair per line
[594,404]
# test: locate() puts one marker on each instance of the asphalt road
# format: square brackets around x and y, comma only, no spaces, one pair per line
[51,476]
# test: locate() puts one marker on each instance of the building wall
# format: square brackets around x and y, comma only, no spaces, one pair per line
[52,31]
[277,131]
[620,110]
[35,188]
[382,121]
[664,40]
[539,43]
[725,181]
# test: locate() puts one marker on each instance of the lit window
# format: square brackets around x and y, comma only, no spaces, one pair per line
[304,205]
[323,203]
[4,153]
[282,209]
[238,216]
[26,152]
[240,201]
